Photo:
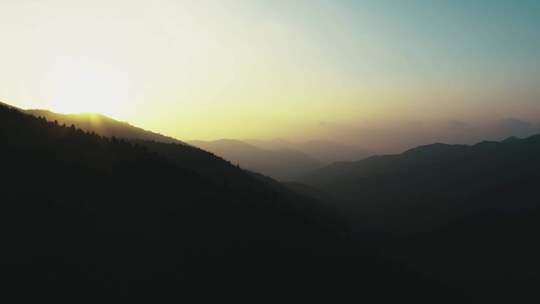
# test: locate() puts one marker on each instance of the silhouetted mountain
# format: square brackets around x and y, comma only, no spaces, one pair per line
[281,164]
[453,212]
[323,150]
[103,125]
[81,213]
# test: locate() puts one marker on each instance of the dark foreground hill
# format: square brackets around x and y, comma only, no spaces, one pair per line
[452,212]
[82,213]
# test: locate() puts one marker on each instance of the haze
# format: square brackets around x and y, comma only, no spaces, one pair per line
[384,75]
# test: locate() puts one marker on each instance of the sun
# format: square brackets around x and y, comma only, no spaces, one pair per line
[79,86]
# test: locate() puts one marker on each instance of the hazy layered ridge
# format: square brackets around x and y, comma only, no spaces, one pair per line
[281,163]
[324,150]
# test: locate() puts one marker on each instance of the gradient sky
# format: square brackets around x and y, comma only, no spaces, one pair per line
[267,69]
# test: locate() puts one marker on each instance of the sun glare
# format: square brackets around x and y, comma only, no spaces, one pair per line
[80,86]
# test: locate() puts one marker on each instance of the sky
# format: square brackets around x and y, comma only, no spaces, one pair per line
[377,73]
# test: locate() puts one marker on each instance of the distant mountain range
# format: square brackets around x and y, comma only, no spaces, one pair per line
[323,150]
[281,164]
[424,167]
[280,159]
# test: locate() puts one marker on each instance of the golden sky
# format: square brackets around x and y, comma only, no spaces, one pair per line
[268,69]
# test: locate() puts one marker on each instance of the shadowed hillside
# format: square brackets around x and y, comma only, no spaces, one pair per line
[452,212]
[85,213]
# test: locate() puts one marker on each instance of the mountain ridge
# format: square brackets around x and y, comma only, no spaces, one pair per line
[450,211]
[103,125]
[281,164]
